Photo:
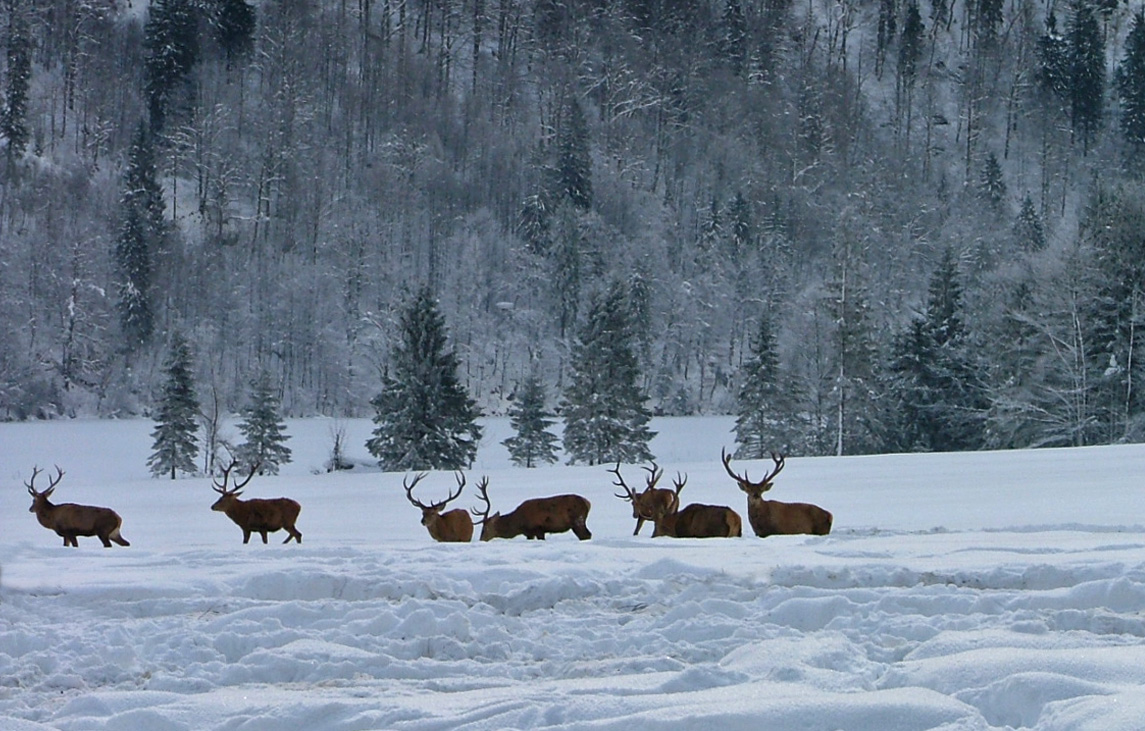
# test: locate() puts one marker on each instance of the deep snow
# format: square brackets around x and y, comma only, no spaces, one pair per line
[961,591]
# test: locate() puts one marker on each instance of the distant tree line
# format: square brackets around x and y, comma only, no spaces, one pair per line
[930,244]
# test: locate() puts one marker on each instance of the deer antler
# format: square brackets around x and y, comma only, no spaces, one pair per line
[483,496]
[52,482]
[745,480]
[459,476]
[630,494]
[409,486]
[678,483]
[222,488]
[654,475]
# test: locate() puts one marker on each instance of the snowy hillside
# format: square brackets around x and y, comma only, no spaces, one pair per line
[957,591]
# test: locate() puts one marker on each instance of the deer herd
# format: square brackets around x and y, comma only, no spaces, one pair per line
[533,518]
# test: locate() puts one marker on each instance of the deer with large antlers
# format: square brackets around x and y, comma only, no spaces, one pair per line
[771,517]
[69,520]
[453,526]
[256,515]
[535,517]
[652,501]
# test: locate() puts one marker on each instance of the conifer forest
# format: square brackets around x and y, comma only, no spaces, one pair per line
[858,225]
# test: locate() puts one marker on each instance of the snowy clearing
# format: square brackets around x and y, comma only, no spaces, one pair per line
[960,591]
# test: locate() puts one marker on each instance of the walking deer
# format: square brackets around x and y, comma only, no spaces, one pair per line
[771,517]
[256,515]
[534,517]
[454,526]
[652,500]
[69,520]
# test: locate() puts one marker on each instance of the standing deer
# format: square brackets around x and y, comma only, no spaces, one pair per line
[256,515]
[454,526]
[771,517]
[535,517]
[652,500]
[69,520]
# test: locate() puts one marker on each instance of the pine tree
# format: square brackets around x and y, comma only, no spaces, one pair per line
[853,372]
[733,39]
[1131,89]
[1029,234]
[171,39]
[992,187]
[235,24]
[533,442]
[14,105]
[141,233]
[425,419]
[764,407]
[938,398]
[574,162]
[263,429]
[606,419]
[176,445]
[1086,72]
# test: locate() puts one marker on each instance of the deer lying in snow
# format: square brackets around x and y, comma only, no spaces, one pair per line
[771,517]
[454,526]
[535,517]
[256,515]
[69,520]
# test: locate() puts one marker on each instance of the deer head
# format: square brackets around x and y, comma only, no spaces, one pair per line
[757,488]
[228,495]
[40,498]
[455,525]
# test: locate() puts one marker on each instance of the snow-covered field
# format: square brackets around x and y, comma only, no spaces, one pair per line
[970,591]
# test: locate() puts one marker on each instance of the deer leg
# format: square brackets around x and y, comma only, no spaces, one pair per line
[106,542]
[246,536]
[639,524]
[582,532]
[263,534]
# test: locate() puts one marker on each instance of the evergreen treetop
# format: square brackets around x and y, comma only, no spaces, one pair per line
[425,418]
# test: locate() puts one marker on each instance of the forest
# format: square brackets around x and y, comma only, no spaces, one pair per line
[860,225]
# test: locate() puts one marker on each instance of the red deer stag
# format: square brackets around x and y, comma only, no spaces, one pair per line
[454,526]
[771,517]
[256,515]
[696,520]
[535,517]
[652,500]
[69,520]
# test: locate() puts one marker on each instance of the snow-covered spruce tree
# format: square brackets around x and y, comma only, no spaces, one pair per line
[937,396]
[606,419]
[1130,83]
[141,232]
[764,406]
[14,104]
[425,418]
[176,444]
[263,429]
[533,443]
[171,39]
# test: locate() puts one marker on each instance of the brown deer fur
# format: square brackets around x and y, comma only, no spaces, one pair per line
[69,520]
[771,517]
[535,517]
[453,526]
[257,515]
[700,521]
[652,500]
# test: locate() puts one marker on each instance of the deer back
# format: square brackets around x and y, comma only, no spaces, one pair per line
[771,517]
[701,521]
[537,516]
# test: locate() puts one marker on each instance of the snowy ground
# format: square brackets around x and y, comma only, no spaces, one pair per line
[973,591]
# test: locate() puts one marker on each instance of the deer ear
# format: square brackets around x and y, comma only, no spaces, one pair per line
[236,493]
[48,493]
